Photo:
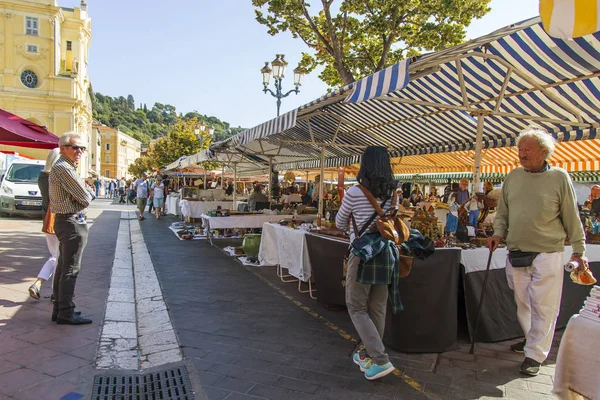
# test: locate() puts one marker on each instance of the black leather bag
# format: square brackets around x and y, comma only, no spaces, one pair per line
[521,259]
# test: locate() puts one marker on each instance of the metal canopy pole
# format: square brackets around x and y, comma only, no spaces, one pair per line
[306,185]
[222,176]
[478,148]
[234,184]
[270,185]
[204,178]
[321,181]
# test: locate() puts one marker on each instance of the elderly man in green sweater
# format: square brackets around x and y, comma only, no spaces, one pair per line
[537,211]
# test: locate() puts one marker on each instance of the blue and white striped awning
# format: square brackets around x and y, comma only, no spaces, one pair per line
[272,127]
[380,83]
[513,77]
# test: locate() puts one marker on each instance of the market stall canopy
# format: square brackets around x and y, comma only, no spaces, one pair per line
[568,19]
[581,155]
[500,83]
[442,178]
[16,131]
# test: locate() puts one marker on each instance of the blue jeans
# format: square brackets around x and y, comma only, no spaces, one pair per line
[473,217]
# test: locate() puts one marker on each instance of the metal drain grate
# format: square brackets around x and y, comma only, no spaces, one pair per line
[172,384]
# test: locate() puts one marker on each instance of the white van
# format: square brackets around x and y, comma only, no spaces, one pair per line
[19,191]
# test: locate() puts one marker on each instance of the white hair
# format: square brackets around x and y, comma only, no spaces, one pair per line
[68,137]
[53,157]
[546,142]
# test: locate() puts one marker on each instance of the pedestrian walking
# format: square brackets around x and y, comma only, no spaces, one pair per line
[367,283]
[537,211]
[49,266]
[69,199]
[158,196]
[140,187]
[97,183]
[122,185]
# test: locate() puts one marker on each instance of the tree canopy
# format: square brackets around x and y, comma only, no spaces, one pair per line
[355,38]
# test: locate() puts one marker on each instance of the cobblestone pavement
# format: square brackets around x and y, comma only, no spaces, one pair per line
[244,334]
[253,337]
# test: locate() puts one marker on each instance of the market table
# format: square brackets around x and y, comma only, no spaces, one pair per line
[498,320]
[429,295]
[195,209]
[578,361]
[286,247]
[172,205]
[247,221]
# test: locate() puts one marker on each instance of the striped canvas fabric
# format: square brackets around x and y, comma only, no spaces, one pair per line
[568,19]
[380,83]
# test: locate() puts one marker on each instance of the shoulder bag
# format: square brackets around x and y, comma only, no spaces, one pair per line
[389,224]
[48,226]
[357,233]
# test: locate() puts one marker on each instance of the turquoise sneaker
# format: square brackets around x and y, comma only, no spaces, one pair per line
[378,371]
[360,358]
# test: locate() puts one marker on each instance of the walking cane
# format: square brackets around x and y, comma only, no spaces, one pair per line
[487,272]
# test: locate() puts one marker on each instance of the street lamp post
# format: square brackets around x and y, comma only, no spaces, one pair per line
[278,72]
[199,132]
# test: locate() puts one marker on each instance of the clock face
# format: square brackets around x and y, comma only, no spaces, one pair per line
[29,78]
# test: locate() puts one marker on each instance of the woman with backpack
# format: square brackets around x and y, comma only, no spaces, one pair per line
[367,283]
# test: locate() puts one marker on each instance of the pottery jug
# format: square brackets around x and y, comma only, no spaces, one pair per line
[251,244]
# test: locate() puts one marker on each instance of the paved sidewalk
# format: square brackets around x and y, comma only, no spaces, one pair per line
[253,337]
[243,333]
[39,359]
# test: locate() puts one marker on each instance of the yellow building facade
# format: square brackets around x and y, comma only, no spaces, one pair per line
[119,151]
[44,69]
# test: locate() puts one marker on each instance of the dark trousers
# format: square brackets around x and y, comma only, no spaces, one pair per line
[72,237]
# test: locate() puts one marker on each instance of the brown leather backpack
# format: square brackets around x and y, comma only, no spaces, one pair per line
[389,224]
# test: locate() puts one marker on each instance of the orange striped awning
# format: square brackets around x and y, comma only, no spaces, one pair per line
[574,156]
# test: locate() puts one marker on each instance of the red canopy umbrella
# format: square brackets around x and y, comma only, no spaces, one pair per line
[16,131]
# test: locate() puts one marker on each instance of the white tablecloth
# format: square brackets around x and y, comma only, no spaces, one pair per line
[286,247]
[195,209]
[248,221]
[578,363]
[476,259]
[172,205]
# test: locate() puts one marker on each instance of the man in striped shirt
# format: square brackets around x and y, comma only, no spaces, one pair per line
[69,198]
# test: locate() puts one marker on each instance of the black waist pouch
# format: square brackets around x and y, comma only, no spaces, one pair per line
[520,259]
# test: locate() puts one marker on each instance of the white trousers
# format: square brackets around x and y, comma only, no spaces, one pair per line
[538,290]
[50,265]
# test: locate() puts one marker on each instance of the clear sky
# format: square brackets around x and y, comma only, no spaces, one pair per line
[206,55]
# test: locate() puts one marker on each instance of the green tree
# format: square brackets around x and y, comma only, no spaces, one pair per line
[355,38]
[181,141]
[141,164]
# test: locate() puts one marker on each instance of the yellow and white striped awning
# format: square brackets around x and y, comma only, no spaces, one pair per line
[575,156]
[568,19]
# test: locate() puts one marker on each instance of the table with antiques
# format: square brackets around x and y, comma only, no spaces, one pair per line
[245,221]
[195,209]
[429,295]
[498,319]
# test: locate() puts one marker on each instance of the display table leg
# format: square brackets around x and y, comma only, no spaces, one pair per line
[310,288]
[281,275]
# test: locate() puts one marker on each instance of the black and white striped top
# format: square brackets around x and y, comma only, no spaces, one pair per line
[68,192]
[356,203]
